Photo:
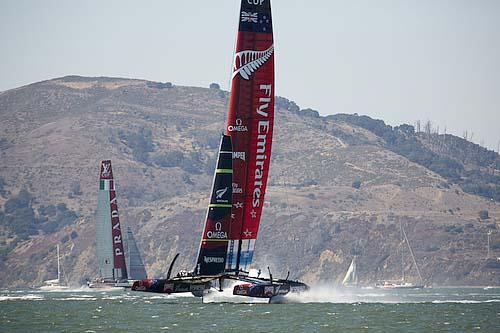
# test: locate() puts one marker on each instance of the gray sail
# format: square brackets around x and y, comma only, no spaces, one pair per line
[137,271]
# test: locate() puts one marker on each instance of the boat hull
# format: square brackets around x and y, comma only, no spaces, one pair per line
[53,288]
[103,284]
[172,286]
[201,285]
[400,286]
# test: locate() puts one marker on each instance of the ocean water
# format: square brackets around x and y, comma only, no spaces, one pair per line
[320,310]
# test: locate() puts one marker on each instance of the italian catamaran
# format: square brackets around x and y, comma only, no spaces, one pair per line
[234,212]
[110,243]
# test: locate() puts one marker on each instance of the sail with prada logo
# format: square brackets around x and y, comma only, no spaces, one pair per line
[250,126]
[110,254]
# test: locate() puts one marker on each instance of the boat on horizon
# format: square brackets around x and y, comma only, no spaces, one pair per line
[403,283]
[112,260]
[233,216]
[55,284]
[351,276]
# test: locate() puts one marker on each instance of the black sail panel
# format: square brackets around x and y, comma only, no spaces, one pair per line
[213,248]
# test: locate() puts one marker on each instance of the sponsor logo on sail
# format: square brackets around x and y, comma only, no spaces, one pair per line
[238,127]
[213,260]
[116,231]
[239,155]
[237,189]
[106,169]
[263,128]
[248,61]
[218,233]
[220,193]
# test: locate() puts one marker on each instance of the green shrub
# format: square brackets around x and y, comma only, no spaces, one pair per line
[141,143]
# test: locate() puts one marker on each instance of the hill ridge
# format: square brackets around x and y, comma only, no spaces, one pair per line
[339,184]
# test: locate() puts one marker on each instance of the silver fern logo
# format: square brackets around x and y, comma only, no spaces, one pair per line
[220,193]
[248,61]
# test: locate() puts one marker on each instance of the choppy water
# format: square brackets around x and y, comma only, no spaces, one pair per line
[321,310]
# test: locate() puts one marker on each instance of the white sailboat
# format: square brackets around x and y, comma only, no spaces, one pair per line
[351,276]
[403,284]
[55,284]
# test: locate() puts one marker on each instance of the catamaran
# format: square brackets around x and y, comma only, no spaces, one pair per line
[234,212]
[403,284]
[55,284]
[110,243]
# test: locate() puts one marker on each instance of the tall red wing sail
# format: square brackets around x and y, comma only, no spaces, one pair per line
[250,125]
[109,236]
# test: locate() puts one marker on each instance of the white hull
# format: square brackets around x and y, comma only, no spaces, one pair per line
[110,285]
[53,288]
[407,285]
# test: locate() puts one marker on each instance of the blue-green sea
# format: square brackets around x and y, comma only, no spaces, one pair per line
[321,310]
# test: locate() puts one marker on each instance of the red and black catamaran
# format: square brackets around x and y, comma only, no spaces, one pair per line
[233,216]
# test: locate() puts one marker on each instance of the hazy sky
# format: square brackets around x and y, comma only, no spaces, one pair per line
[399,61]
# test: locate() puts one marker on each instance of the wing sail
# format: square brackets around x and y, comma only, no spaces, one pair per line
[110,252]
[250,126]
[212,255]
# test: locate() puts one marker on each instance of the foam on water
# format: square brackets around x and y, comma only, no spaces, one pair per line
[76,299]
[226,296]
[29,297]
[328,294]
[466,301]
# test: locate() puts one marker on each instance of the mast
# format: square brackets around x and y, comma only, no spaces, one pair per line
[58,266]
[412,255]
[250,126]
[402,252]
[110,251]
[488,245]
[354,271]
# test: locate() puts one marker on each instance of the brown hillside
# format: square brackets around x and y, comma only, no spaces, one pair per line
[163,140]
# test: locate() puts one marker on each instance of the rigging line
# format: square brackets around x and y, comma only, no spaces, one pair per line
[230,74]
[412,255]
[65,277]
[287,201]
